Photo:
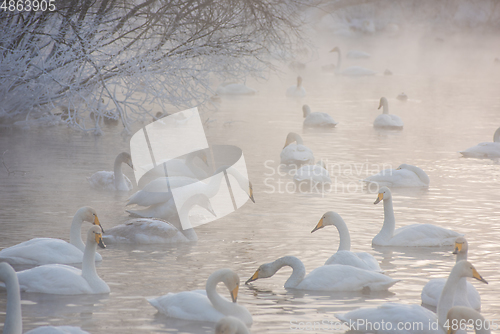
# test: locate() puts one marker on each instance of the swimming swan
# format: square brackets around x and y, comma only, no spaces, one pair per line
[230,325]
[457,315]
[296,154]
[113,181]
[49,250]
[205,305]
[485,150]
[415,235]
[317,119]
[154,231]
[334,278]
[353,71]
[386,120]
[13,317]
[61,279]
[344,255]
[395,313]
[466,295]
[405,176]
[311,176]
[296,90]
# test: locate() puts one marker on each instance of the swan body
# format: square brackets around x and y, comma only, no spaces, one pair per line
[296,154]
[457,315]
[416,235]
[386,120]
[402,97]
[317,119]
[67,280]
[113,181]
[486,150]
[358,55]
[353,71]
[333,278]
[296,90]
[312,175]
[344,255]
[234,89]
[40,251]
[405,176]
[466,294]
[230,325]
[205,305]
[395,313]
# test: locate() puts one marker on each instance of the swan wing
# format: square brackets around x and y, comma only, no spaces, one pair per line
[144,231]
[487,150]
[294,91]
[396,178]
[359,260]
[319,119]
[103,180]
[386,121]
[423,235]
[296,154]
[432,291]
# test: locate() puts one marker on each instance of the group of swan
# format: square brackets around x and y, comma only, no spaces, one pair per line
[486,150]
[386,120]
[404,176]
[113,181]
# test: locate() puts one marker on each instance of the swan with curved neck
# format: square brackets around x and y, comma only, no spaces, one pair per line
[67,280]
[205,305]
[296,154]
[457,315]
[344,255]
[48,250]
[397,313]
[296,90]
[386,120]
[354,71]
[405,176]
[466,295]
[486,150]
[317,119]
[425,235]
[335,277]
[113,181]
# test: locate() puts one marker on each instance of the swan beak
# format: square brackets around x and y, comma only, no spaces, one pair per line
[379,198]
[98,240]
[96,222]
[320,225]
[458,248]
[253,278]
[476,275]
[234,294]
[251,192]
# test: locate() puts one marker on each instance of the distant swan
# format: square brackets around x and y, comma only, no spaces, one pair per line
[234,89]
[344,255]
[333,278]
[404,176]
[415,235]
[296,90]
[317,119]
[466,295]
[62,279]
[48,250]
[231,325]
[353,71]
[312,176]
[13,317]
[485,150]
[457,315]
[402,97]
[296,154]
[386,120]
[205,305]
[113,181]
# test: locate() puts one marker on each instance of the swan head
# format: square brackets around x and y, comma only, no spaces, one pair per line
[125,158]
[461,245]
[228,325]
[265,271]
[292,137]
[383,101]
[335,49]
[88,214]
[95,234]
[329,218]
[403,166]
[231,280]
[383,193]
[465,269]
[457,314]
[306,110]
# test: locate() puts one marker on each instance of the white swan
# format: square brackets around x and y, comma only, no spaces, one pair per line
[386,120]
[48,250]
[414,235]
[344,255]
[205,305]
[230,325]
[404,176]
[466,295]
[154,231]
[312,175]
[485,150]
[317,119]
[296,154]
[61,279]
[395,313]
[333,278]
[296,90]
[353,71]
[457,314]
[234,89]
[13,317]
[113,181]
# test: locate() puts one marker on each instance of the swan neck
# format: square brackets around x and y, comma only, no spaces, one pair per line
[75,236]
[496,136]
[298,270]
[385,106]
[88,264]
[219,303]
[461,256]
[118,174]
[420,173]
[345,238]
[298,139]
[447,297]
[13,320]
[389,225]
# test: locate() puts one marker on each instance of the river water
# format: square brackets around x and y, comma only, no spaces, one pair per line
[453,104]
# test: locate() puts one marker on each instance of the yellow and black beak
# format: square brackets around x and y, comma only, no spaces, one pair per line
[234,294]
[98,240]
[250,192]
[458,248]
[379,198]
[476,275]
[96,222]
[254,277]
[319,225]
